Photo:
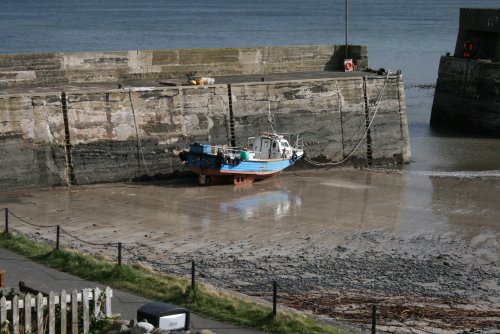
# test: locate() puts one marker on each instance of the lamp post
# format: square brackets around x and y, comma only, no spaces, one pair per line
[346,29]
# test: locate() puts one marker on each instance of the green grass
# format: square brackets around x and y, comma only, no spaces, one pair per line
[157,286]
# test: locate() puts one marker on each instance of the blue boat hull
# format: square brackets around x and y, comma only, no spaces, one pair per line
[242,170]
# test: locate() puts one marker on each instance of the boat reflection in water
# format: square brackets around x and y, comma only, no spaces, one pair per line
[269,203]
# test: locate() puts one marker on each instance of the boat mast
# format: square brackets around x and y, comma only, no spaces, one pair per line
[270,117]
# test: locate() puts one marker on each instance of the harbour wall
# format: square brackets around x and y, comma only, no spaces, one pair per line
[42,69]
[64,121]
[112,135]
[467,96]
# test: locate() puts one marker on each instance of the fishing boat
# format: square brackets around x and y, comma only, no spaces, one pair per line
[267,155]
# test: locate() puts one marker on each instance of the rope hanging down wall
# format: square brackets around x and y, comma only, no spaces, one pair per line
[140,153]
[368,127]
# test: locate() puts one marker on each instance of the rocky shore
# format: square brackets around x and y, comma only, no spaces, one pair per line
[436,284]
[427,283]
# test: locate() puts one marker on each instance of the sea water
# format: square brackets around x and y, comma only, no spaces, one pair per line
[408,35]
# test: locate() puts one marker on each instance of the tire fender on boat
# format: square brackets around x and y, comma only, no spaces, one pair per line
[183,156]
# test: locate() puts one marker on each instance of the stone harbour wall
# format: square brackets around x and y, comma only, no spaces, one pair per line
[467,96]
[42,69]
[106,136]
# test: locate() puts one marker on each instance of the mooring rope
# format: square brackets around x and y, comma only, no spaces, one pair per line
[139,142]
[379,99]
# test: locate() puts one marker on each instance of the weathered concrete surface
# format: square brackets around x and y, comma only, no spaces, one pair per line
[481,26]
[390,123]
[467,96]
[121,133]
[325,113]
[64,119]
[31,141]
[104,129]
[85,67]
[468,87]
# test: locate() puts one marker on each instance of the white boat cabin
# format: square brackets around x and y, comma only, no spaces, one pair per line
[270,146]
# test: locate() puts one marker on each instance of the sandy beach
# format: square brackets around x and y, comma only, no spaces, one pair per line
[424,248]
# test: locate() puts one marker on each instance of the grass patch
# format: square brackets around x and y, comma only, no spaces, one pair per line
[157,286]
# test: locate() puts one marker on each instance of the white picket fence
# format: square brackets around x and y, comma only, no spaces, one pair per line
[39,305]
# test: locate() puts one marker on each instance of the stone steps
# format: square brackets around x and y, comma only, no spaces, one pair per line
[48,80]
[11,79]
[31,67]
[30,62]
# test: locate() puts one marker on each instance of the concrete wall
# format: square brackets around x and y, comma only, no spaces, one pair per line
[480,26]
[86,67]
[118,134]
[32,141]
[467,96]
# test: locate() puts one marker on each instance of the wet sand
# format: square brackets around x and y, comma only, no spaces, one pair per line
[356,237]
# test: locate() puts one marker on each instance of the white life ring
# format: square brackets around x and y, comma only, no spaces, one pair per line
[348,65]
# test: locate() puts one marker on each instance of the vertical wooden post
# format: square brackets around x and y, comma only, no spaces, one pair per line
[2,278]
[3,310]
[74,311]
[346,28]
[119,253]
[6,220]
[193,277]
[52,313]
[97,302]
[275,297]
[85,302]
[15,315]
[58,234]
[64,315]
[374,319]
[39,314]
[27,313]
[109,294]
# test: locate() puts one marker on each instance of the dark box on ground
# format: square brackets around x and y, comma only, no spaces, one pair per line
[164,316]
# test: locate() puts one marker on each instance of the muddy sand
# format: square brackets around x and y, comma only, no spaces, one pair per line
[424,248]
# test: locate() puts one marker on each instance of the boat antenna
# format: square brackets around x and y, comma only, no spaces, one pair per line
[270,117]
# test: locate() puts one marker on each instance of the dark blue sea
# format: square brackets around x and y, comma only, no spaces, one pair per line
[408,35]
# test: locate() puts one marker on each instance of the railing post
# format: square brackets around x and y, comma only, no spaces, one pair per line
[193,268]
[6,220]
[374,319]
[119,253]
[275,297]
[58,234]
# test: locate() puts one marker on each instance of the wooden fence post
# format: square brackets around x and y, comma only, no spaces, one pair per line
[2,278]
[52,313]
[6,220]
[85,302]
[63,308]
[97,302]
[27,313]
[119,253]
[74,311]
[275,297]
[109,294]
[15,314]
[374,319]
[39,314]
[46,323]
[58,236]
[3,310]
